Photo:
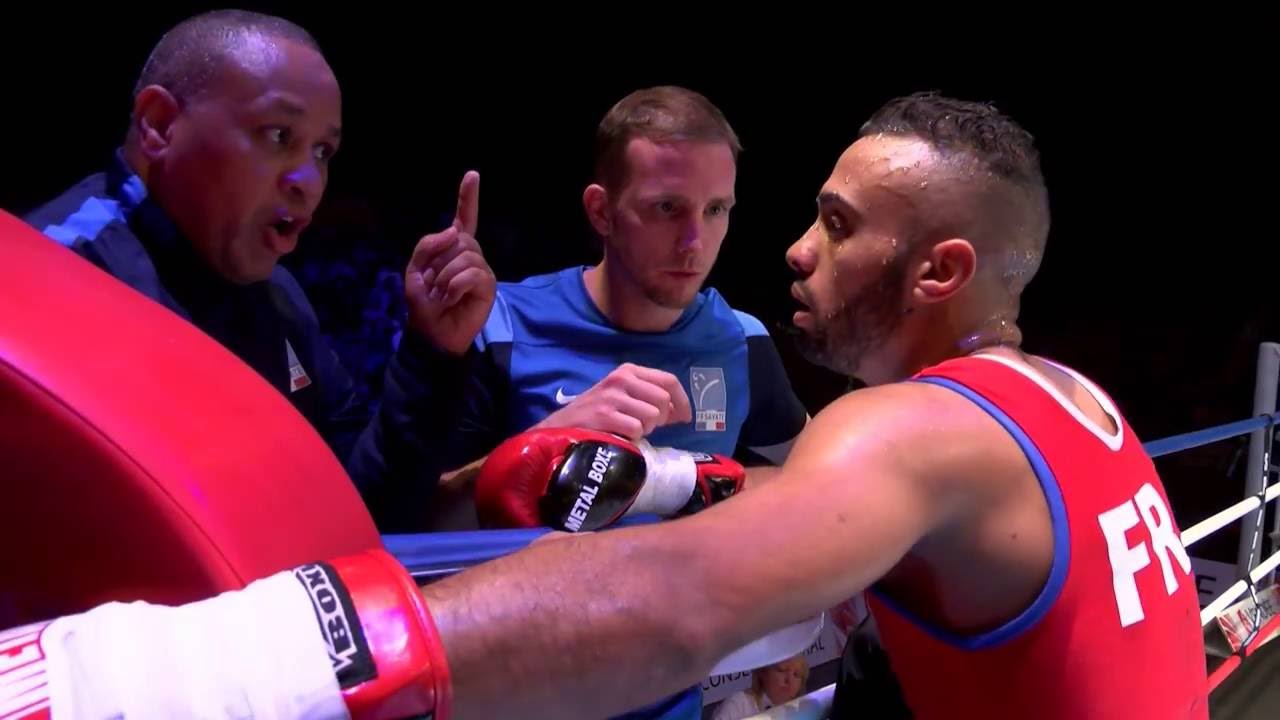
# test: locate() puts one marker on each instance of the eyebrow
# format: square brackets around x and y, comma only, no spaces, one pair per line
[663,195]
[833,198]
[292,108]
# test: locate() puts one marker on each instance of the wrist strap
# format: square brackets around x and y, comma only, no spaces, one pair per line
[411,674]
[671,476]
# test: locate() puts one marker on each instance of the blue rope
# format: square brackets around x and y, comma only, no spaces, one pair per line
[1186,441]
[437,554]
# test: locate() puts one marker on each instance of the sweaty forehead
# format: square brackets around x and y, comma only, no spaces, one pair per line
[883,174]
[883,162]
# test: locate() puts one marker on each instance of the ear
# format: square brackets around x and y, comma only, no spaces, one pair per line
[595,200]
[154,112]
[945,271]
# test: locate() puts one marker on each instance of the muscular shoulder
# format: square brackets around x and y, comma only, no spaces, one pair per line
[918,432]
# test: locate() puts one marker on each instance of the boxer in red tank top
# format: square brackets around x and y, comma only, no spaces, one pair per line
[1119,583]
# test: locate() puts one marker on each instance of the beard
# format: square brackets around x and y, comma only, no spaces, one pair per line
[843,338]
[662,291]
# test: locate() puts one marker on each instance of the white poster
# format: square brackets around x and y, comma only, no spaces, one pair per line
[837,624]
[1240,621]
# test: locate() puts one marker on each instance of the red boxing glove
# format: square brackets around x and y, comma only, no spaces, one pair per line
[574,479]
[389,663]
[564,478]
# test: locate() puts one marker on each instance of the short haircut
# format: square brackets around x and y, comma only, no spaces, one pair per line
[189,55]
[981,134]
[757,675]
[660,114]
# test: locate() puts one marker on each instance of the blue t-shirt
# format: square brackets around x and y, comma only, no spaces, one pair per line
[545,343]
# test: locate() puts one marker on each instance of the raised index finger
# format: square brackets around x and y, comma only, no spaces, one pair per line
[468,214]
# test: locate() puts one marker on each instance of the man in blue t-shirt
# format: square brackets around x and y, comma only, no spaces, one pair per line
[634,345]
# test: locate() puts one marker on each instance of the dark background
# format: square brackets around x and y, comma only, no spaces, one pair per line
[1158,279]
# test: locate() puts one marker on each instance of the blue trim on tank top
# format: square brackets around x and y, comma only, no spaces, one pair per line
[1035,612]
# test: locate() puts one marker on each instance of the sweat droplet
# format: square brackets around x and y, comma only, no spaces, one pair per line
[893,242]
[924,184]
[846,179]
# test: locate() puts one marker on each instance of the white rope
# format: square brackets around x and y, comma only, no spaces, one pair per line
[1217,521]
[1233,593]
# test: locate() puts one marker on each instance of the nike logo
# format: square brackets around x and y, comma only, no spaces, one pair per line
[562,398]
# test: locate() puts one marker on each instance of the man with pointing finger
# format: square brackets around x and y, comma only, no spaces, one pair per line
[235,118]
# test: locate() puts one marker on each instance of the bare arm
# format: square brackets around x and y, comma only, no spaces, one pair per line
[593,626]
[760,475]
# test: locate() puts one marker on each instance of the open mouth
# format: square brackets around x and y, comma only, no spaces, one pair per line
[802,317]
[287,225]
[798,296]
[282,232]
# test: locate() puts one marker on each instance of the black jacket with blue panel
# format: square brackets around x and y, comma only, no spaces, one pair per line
[391,454]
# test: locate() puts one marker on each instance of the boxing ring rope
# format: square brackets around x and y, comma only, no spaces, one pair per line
[1187,441]
[1216,522]
[1234,592]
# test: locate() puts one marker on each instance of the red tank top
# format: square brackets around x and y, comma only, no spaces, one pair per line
[1115,632]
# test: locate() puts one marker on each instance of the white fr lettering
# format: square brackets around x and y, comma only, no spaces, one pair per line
[1127,560]
[1163,539]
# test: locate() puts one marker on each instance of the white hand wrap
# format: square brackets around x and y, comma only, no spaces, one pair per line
[251,653]
[671,476]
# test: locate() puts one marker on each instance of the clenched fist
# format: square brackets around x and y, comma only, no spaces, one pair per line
[631,401]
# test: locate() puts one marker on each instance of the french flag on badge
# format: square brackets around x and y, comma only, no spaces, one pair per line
[298,377]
